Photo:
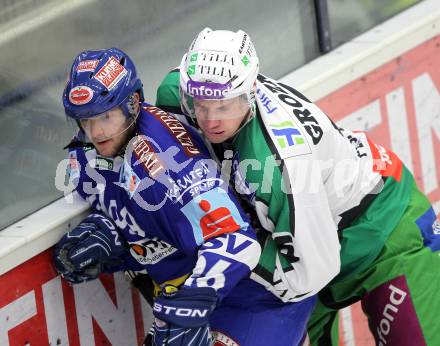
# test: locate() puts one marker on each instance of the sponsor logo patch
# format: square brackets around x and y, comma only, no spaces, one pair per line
[385,162]
[80,95]
[147,156]
[151,251]
[87,65]
[216,221]
[286,133]
[103,163]
[203,90]
[193,57]
[245,60]
[191,70]
[293,103]
[211,214]
[129,179]
[73,167]
[111,73]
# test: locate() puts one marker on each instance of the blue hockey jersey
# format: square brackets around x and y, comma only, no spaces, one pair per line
[170,203]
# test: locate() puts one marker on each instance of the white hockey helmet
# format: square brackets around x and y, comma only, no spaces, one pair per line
[219,64]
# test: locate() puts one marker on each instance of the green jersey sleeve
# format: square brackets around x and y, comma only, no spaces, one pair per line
[167,95]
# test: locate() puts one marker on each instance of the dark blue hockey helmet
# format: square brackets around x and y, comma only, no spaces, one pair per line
[99,81]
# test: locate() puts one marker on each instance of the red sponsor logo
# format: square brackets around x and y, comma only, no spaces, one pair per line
[385,162]
[87,65]
[111,73]
[216,222]
[133,183]
[80,95]
[73,163]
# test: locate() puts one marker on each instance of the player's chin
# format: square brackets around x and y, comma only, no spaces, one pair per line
[217,137]
[106,148]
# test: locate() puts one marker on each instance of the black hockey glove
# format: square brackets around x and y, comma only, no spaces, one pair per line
[182,317]
[94,246]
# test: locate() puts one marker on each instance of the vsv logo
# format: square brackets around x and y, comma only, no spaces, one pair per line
[287,134]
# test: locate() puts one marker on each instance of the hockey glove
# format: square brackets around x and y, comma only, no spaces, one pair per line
[162,334]
[182,317]
[94,246]
[187,307]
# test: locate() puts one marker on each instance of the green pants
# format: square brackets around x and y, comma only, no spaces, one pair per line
[399,291]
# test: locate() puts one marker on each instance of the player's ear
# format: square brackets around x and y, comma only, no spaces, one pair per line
[136,102]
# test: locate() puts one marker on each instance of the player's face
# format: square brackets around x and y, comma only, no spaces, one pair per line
[220,119]
[109,131]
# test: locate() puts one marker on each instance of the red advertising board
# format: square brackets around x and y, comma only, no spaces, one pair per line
[399,105]
[37,307]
